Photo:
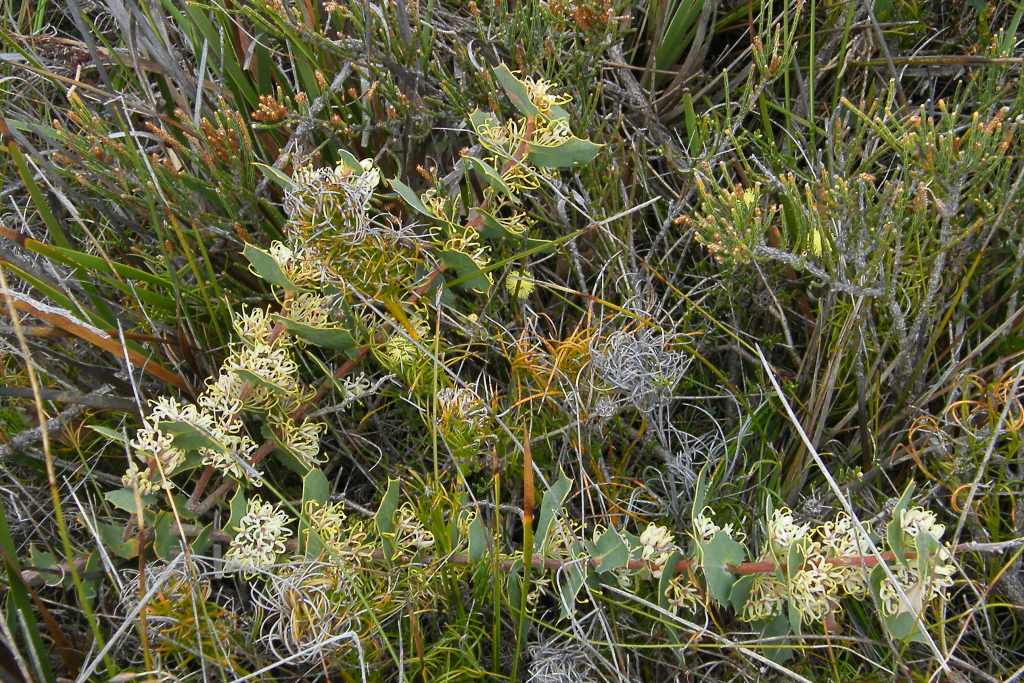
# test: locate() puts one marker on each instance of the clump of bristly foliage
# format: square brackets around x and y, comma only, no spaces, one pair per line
[538,341]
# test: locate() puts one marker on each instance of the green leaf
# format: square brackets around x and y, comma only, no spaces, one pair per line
[493,230]
[111,534]
[466,267]
[610,552]
[515,588]
[550,505]
[21,617]
[109,433]
[96,264]
[572,152]
[894,530]
[350,162]
[93,566]
[257,381]
[202,541]
[266,267]
[574,576]
[700,494]
[492,176]
[279,178]
[334,338]
[315,489]
[189,437]
[516,90]
[558,112]
[181,507]
[667,574]
[678,34]
[238,507]
[410,197]
[42,559]
[285,455]
[192,460]
[777,628]
[482,119]
[385,517]
[479,539]
[795,559]
[716,554]
[905,624]
[740,593]
[167,542]
[927,549]
[124,499]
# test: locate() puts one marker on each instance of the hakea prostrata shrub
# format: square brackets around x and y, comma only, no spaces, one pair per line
[349,277]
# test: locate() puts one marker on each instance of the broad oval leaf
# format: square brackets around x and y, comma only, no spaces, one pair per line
[124,499]
[43,560]
[109,433]
[482,119]
[279,178]
[740,593]
[334,338]
[385,517]
[351,163]
[238,507]
[315,489]
[570,583]
[717,554]
[410,197]
[111,535]
[492,176]
[516,90]
[905,624]
[479,539]
[256,380]
[894,530]
[189,437]
[467,269]
[572,152]
[493,230]
[267,268]
[553,499]
[610,552]
[795,560]
[167,539]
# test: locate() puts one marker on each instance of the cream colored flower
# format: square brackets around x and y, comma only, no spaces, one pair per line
[261,536]
[812,588]
[915,520]
[783,531]
[281,254]
[767,595]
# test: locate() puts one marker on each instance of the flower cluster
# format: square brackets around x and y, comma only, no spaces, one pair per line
[464,422]
[827,574]
[657,544]
[705,527]
[410,534]
[261,535]
[214,418]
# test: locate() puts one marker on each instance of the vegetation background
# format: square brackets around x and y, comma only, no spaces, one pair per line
[793,264]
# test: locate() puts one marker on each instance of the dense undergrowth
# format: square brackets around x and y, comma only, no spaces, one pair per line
[547,341]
